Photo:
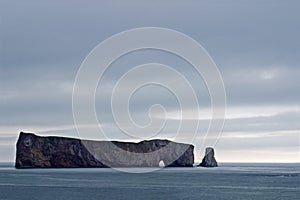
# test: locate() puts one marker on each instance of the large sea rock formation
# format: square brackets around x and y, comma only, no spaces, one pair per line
[209,158]
[59,152]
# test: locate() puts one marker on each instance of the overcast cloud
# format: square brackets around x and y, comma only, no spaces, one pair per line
[255,46]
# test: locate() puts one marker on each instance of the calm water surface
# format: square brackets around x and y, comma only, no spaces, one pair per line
[229,181]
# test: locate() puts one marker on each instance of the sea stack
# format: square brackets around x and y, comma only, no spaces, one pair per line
[209,158]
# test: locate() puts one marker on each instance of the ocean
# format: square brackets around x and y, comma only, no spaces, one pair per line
[229,181]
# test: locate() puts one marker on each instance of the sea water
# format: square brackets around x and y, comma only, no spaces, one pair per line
[229,181]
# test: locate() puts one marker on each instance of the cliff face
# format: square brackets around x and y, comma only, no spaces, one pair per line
[209,158]
[53,152]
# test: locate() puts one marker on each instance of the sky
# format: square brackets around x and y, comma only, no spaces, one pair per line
[255,45]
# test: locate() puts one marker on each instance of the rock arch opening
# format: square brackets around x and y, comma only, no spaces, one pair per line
[161,164]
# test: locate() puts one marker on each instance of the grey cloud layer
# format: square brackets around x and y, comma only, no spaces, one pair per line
[254,44]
